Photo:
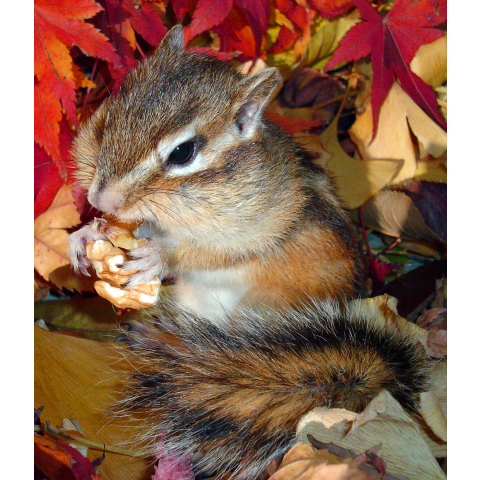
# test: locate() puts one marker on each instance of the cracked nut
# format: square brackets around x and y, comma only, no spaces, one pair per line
[108,258]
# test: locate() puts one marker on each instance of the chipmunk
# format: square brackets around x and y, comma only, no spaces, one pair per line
[264,257]
[233,207]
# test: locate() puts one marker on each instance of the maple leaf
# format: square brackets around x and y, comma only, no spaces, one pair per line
[392,41]
[235,34]
[257,12]
[180,7]
[59,25]
[208,14]
[331,8]
[146,21]
[51,244]
[51,172]
[120,20]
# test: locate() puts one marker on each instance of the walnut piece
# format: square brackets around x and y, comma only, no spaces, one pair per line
[107,258]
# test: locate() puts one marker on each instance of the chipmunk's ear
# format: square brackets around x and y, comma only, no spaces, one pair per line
[172,40]
[255,92]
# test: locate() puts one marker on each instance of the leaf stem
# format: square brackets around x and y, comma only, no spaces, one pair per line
[57,433]
[364,232]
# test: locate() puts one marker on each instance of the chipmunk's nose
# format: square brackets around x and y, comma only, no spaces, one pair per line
[108,200]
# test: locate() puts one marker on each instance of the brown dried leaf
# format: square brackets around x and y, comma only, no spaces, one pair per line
[356,180]
[398,115]
[404,447]
[74,379]
[303,462]
[394,214]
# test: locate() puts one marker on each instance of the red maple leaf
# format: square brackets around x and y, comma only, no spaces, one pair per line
[228,19]
[119,22]
[331,8]
[257,13]
[208,14]
[59,24]
[393,41]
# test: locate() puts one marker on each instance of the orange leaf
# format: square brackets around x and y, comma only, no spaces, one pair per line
[59,26]
[54,463]
[51,244]
[48,113]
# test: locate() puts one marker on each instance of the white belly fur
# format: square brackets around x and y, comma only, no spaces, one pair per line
[211,293]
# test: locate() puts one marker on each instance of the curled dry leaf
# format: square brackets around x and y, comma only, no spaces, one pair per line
[430,62]
[404,447]
[399,114]
[433,414]
[303,462]
[395,214]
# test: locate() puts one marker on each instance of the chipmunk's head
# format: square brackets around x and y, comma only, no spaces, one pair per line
[170,129]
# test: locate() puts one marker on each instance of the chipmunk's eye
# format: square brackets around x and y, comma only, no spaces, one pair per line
[182,154]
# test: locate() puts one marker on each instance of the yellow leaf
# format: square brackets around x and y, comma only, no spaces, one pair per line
[431,170]
[393,138]
[430,62]
[356,180]
[73,379]
[282,20]
[50,236]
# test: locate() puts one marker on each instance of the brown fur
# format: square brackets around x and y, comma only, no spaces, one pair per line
[235,398]
[257,203]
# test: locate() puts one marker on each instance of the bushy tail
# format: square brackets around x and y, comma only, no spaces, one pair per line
[233,400]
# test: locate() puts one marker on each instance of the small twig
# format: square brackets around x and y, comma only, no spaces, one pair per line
[140,50]
[331,100]
[364,232]
[57,433]
[388,247]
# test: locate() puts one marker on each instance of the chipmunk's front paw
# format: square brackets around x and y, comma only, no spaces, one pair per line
[149,261]
[78,240]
